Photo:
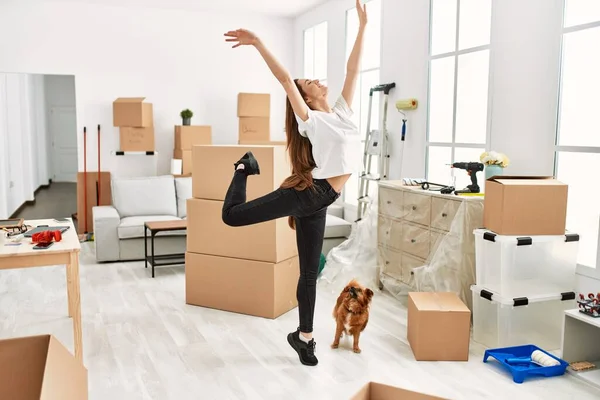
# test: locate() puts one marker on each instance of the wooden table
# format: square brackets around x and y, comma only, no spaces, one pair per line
[65,252]
[164,259]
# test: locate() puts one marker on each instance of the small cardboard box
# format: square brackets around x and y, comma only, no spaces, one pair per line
[136,139]
[378,391]
[439,326]
[271,241]
[263,142]
[243,286]
[525,205]
[186,157]
[40,368]
[132,111]
[252,129]
[188,136]
[254,105]
[213,170]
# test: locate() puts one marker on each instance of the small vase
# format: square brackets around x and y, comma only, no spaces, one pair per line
[187,121]
[493,170]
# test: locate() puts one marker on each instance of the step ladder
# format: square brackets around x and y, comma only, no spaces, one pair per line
[376,145]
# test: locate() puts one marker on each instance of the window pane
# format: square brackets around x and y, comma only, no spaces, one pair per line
[437,170]
[475,23]
[320,69]
[472,97]
[462,179]
[441,100]
[371,57]
[583,209]
[578,124]
[309,51]
[443,26]
[578,12]
[369,79]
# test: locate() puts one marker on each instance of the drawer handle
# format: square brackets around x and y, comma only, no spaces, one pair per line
[444,215]
[414,208]
[389,202]
[413,240]
[387,232]
[387,263]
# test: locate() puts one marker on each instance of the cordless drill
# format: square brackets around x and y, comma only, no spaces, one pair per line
[472,169]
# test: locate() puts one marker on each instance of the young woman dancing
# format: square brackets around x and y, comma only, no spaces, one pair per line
[324,150]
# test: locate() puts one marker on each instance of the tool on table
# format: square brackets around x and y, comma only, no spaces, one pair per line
[589,306]
[472,168]
[376,144]
[443,189]
[46,237]
[537,357]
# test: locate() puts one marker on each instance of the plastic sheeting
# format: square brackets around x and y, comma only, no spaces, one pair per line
[397,262]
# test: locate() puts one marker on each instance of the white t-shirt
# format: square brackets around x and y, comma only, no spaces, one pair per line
[335,141]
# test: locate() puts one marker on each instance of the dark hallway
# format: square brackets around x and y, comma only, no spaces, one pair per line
[57,201]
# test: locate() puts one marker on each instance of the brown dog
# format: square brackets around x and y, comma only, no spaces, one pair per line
[351,313]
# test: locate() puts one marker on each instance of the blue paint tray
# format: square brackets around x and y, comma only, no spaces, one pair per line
[521,371]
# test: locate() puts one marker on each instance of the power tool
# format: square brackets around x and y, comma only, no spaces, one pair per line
[472,169]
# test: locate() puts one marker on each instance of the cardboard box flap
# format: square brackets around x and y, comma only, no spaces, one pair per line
[379,391]
[439,302]
[524,180]
[22,366]
[130,100]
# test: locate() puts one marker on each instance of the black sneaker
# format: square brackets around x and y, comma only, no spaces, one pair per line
[306,351]
[250,164]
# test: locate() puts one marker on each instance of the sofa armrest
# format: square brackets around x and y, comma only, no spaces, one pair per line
[106,222]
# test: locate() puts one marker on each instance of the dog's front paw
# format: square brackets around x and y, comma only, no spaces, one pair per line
[335,345]
[356,350]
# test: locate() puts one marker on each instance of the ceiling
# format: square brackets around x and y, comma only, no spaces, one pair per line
[282,8]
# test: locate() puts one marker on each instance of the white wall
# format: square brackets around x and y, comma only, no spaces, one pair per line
[22,139]
[176,59]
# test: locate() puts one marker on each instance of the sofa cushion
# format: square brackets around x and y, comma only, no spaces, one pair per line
[336,227]
[133,227]
[134,197]
[183,191]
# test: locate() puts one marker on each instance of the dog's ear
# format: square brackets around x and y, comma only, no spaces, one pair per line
[346,289]
[369,293]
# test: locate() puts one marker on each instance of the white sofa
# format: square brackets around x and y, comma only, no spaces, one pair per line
[119,229]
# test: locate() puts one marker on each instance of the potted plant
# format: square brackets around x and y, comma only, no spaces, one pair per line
[494,163]
[186,116]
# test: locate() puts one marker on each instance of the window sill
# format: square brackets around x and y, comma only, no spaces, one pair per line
[588,272]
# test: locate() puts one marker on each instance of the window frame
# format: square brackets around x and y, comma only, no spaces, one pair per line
[313,28]
[453,145]
[583,270]
[357,108]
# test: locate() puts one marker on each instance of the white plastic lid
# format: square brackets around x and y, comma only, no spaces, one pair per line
[514,238]
[509,301]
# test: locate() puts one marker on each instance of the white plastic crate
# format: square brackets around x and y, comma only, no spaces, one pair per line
[517,266]
[503,322]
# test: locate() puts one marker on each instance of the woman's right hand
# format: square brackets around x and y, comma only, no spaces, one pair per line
[242,37]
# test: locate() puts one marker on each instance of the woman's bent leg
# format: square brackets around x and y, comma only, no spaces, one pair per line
[310,232]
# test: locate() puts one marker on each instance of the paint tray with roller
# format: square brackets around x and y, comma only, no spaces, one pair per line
[521,362]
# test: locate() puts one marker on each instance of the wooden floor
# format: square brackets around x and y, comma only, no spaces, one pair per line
[141,341]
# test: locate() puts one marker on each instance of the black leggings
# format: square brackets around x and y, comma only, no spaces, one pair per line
[309,209]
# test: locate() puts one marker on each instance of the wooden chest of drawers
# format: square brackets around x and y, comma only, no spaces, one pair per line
[412,223]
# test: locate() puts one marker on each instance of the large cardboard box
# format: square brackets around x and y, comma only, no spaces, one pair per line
[439,326]
[213,170]
[40,368]
[98,193]
[271,241]
[186,157]
[136,139]
[525,205]
[252,129]
[378,391]
[191,135]
[132,111]
[254,105]
[243,286]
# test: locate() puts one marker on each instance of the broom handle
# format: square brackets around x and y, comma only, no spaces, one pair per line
[99,185]
[85,179]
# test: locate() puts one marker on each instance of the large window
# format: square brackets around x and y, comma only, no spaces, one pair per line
[457,127]
[315,52]
[368,77]
[578,135]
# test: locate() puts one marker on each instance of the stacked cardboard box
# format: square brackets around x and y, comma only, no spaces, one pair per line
[251,269]
[135,120]
[187,137]
[254,112]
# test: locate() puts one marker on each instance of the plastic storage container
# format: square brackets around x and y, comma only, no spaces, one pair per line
[503,321]
[518,266]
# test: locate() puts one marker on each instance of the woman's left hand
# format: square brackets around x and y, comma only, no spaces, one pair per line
[362,13]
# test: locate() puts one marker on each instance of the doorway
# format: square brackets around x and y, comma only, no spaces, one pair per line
[63,140]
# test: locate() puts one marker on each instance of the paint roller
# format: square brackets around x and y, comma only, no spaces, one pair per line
[537,357]
[407,104]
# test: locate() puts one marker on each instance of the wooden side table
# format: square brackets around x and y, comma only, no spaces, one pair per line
[581,342]
[164,259]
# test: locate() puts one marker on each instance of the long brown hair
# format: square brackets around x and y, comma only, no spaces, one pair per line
[300,152]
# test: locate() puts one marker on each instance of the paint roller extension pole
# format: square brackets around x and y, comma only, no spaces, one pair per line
[98,185]
[85,179]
